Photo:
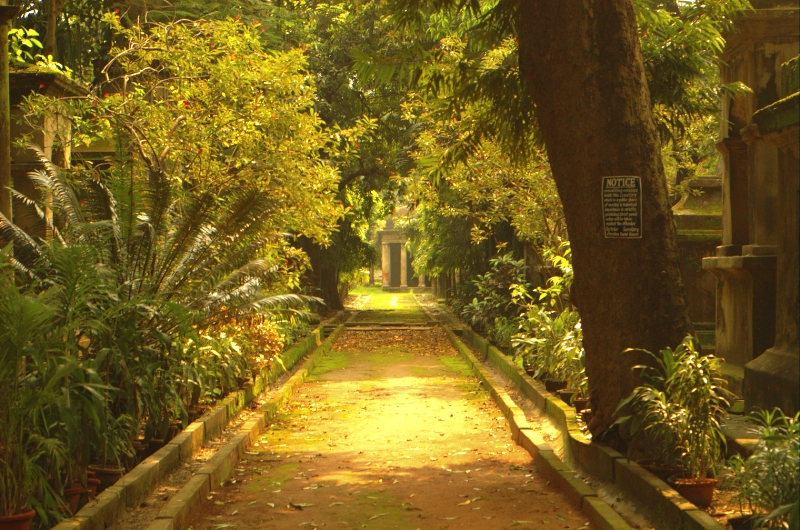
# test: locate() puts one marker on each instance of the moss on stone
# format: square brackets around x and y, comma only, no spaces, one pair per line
[699,236]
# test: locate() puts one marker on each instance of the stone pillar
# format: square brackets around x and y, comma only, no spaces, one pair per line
[7,13]
[735,187]
[421,279]
[403,266]
[763,193]
[386,265]
[773,379]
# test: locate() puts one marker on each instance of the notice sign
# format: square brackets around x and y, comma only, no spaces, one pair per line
[622,207]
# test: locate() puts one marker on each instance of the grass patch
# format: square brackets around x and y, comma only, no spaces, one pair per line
[456,365]
[334,360]
[284,473]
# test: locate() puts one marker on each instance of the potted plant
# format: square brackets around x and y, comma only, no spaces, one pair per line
[678,407]
[581,399]
[765,484]
[114,446]
[27,457]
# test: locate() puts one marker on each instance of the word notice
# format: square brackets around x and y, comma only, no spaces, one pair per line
[622,207]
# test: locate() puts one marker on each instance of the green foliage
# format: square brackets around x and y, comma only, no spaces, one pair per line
[550,338]
[678,407]
[162,248]
[493,290]
[26,456]
[766,481]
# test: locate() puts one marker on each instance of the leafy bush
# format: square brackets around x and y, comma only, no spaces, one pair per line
[159,254]
[678,408]
[767,480]
[550,338]
[493,293]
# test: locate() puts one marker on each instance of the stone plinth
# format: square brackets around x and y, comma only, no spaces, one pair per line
[773,379]
[756,265]
[698,218]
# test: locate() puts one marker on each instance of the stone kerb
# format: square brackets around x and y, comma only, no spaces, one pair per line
[174,515]
[110,505]
[666,507]
[545,459]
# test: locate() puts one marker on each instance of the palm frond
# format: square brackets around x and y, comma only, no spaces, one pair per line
[51,180]
[26,250]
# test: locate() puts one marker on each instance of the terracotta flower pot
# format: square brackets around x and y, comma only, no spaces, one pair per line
[154,445]
[553,385]
[19,521]
[567,395]
[92,484]
[73,496]
[580,404]
[108,474]
[698,491]
[172,432]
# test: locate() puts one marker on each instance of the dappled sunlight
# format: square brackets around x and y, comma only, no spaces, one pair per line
[390,431]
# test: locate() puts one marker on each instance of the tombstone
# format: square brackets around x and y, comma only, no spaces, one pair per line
[698,219]
[23,83]
[756,266]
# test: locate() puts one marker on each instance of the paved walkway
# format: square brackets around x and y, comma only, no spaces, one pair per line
[392,431]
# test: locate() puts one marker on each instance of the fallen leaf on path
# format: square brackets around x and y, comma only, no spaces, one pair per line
[448,518]
[335,504]
[464,503]
[299,505]
[519,523]
[377,515]
[271,505]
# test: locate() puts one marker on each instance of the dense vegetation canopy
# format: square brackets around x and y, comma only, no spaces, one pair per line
[220,169]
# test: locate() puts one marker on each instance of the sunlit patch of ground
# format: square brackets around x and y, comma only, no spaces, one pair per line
[390,431]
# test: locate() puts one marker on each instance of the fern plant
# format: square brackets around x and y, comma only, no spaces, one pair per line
[160,262]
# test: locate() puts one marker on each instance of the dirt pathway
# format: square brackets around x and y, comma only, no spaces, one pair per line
[392,431]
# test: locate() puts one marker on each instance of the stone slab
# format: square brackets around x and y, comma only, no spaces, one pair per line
[142,479]
[181,505]
[602,516]
[699,520]
[161,524]
[219,466]
[215,421]
[595,459]
[167,458]
[105,509]
[661,503]
[190,440]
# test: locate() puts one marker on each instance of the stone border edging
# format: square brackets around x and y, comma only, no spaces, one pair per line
[175,514]
[111,505]
[665,506]
[547,463]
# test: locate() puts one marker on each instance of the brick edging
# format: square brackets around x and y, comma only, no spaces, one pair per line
[110,506]
[666,507]
[175,514]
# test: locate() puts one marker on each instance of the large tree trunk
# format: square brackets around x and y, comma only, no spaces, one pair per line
[582,65]
[323,275]
[53,11]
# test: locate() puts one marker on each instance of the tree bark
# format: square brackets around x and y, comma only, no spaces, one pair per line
[54,10]
[323,276]
[581,63]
